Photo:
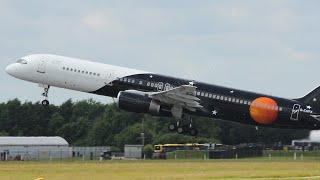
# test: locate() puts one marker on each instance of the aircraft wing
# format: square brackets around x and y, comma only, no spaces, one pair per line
[180,97]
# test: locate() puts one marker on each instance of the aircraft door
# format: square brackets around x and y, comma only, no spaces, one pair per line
[295,112]
[42,65]
[109,78]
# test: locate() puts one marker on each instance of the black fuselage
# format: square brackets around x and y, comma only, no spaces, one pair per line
[225,103]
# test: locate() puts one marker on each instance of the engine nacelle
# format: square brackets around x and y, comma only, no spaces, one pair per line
[138,102]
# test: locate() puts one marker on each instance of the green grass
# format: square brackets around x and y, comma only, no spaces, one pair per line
[251,168]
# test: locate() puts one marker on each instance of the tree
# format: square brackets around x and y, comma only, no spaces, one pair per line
[89,123]
[132,135]
[101,133]
[148,151]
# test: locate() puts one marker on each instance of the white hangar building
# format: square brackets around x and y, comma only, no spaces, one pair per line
[28,148]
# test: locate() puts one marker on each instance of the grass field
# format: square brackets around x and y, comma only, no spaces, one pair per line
[163,169]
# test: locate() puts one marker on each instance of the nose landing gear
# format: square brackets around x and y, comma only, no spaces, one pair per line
[45,94]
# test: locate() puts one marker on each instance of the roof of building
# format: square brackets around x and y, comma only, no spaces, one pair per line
[32,141]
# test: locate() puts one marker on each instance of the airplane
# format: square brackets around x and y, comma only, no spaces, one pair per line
[160,95]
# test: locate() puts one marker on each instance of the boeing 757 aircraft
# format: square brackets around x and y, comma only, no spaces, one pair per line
[159,95]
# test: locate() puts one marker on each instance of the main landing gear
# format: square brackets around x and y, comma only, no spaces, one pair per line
[183,129]
[45,93]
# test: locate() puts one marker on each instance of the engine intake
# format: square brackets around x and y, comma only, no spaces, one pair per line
[138,102]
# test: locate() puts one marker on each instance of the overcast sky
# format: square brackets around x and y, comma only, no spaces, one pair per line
[269,46]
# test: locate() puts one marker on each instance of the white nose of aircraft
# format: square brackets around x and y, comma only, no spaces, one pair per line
[11,69]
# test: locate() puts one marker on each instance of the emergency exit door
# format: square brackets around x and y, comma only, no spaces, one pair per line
[42,65]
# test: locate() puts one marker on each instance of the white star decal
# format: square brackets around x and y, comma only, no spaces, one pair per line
[314,99]
[231,91]
[214,112]
[191,83]
[309,107]
[151,76]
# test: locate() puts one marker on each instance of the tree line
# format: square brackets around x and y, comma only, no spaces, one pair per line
[91,123]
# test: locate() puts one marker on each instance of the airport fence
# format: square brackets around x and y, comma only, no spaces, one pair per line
[242,154]
[60,155]
[38,155]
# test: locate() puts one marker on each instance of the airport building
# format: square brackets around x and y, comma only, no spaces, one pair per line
[133,151]
[91,152]
[29,148]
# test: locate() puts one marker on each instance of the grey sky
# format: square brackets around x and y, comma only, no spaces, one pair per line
[265,46]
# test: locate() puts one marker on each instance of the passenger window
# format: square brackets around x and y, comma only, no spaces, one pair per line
[202,94]
[82,72]
[237,101]
[132,81]
[280,108]
[148,84]
[206,95]
[125,80]
[98,74]
[94,74]
[79,71]
[140,82]
[249,103]
[75,70]
[233,99]
[152,84]
[64,68]
[90,73]
[198,93]
[129,80]
[214,96]
[67,69]
[245,102]
[225,98]
[210,95]
[218,97]
[229,99]
[71,69]
[221,97]
[86,72]
[241,101]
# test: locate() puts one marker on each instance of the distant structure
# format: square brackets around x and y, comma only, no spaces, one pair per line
[91,152]
[133,151]
[305,145]
[29,148]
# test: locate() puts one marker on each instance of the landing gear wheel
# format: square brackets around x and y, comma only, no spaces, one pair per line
[172,126]
[193,132]
[45,103]
[45,94]
[180,130]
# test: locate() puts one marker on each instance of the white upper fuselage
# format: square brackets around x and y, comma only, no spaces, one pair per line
[65,72]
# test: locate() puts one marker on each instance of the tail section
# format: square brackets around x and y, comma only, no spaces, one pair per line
[312,99]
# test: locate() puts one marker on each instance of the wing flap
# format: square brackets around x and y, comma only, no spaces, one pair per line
[182,97]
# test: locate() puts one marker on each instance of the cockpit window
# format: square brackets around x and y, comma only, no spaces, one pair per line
[22,61]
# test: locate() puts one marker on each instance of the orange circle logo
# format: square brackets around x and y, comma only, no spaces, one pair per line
[264,110]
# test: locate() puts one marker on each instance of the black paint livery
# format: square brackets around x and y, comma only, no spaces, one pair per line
[217,102]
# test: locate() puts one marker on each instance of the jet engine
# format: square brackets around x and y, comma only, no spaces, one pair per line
[139,102]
